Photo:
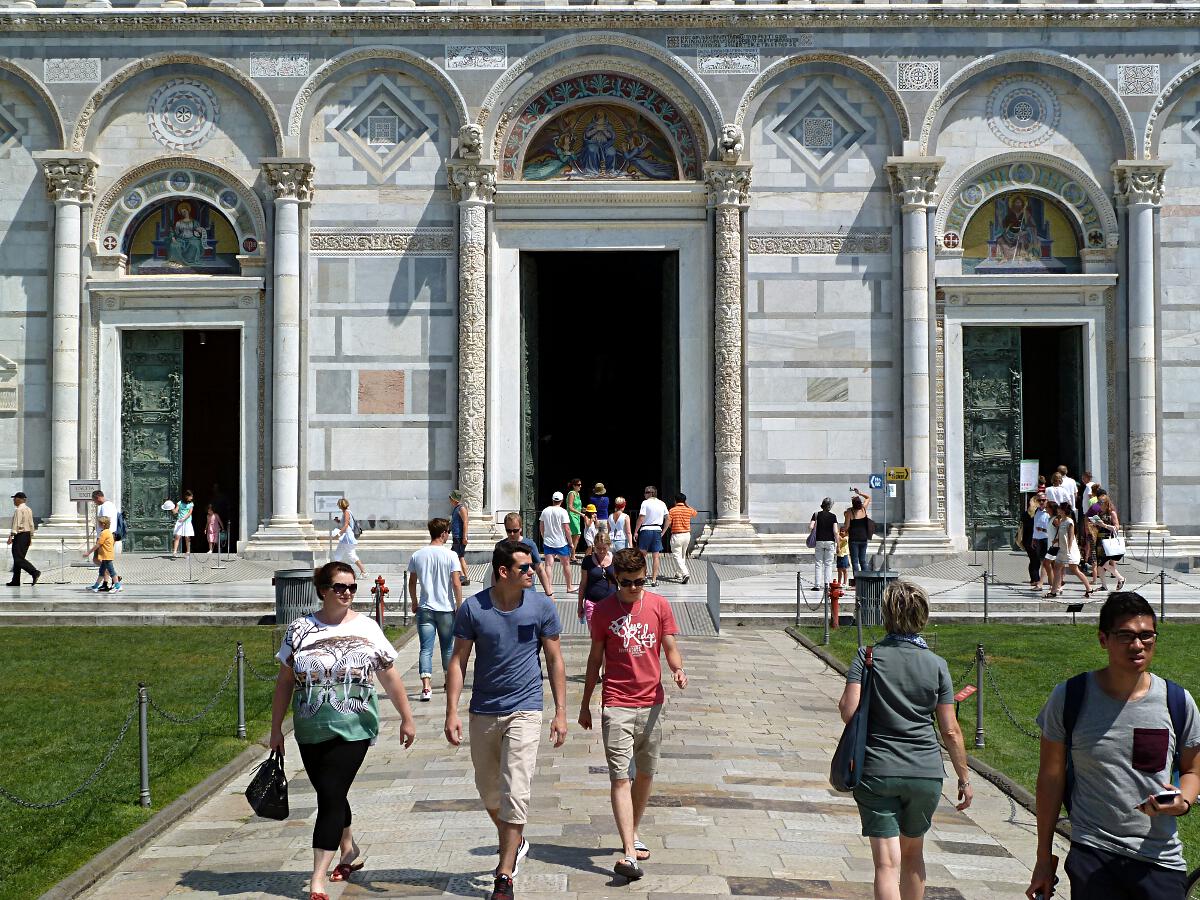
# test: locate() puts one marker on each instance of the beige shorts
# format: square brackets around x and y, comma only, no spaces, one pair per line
[631,734]
[504,753]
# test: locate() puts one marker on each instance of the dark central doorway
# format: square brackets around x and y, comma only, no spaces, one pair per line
[1022,399]
[599,375]
[180,430]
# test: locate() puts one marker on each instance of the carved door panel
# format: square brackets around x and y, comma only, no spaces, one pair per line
[151,425]
[529,406]
[992,434]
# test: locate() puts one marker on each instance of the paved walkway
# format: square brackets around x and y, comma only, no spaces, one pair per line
[742,806]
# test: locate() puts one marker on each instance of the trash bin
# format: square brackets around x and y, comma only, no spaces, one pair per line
[295,595]
[870,586]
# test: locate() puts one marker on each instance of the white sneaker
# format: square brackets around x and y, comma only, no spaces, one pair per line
[522,852]
[426,695]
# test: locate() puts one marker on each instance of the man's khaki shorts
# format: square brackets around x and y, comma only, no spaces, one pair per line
[631,734]
[504,753]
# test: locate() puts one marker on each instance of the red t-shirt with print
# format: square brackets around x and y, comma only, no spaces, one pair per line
[632,635]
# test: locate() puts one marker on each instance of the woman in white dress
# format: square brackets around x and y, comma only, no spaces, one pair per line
[618,525]
[1068,552]
[183,524]
[344,552]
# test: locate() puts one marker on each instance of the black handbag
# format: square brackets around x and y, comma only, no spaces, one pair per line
[845,771]
[267,792]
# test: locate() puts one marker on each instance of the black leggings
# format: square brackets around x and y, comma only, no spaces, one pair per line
[331,766]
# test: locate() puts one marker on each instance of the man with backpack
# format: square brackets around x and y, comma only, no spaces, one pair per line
[1112,741]
[108,509]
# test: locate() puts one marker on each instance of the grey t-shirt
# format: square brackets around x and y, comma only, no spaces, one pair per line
[1108,735]
[909,682]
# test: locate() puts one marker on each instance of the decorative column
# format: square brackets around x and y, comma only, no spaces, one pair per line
[1139,189]
[291,180]
[913,180]
[70,183]
[473,185]
[728,192]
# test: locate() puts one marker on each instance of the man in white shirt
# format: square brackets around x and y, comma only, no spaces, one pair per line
[104,507]
[648,529]
[435,568]
[1071,485]
[554,525]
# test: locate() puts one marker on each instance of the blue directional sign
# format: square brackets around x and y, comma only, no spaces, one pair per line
[875,482]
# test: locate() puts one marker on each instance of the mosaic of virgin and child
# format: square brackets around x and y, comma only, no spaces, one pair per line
[600,142]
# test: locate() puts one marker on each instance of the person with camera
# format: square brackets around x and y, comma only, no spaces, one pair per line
[328,664]
[1125,733]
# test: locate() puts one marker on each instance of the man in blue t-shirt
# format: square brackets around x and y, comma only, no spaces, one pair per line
[511,625]
[512,527]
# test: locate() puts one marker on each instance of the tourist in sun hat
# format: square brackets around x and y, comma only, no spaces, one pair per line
[599,499]
[20,535]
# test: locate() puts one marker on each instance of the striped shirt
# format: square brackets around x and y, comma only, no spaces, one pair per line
[680,516]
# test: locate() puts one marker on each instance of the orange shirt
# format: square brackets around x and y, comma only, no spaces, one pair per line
[680,516]
[106,551]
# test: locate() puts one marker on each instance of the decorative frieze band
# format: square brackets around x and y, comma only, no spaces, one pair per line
[808,243]
[383,242]
[476,56]
[728,62]
[1139,80]
[279,65]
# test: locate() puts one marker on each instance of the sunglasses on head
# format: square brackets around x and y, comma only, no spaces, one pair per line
[631,582]
[343,588]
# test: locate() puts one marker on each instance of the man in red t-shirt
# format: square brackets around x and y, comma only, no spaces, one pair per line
[628,630]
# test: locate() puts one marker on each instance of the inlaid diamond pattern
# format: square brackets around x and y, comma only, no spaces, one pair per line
[382,128]
[818,130]
[10,131]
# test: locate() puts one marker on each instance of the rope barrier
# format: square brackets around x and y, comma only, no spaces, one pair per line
[181,720]
[87,782]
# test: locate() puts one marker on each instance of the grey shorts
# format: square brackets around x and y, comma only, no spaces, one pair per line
[631,735]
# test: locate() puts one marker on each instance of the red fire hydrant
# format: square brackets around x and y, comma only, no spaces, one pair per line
[380,591]
[835,594]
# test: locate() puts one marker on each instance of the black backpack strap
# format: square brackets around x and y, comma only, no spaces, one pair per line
[1177,708]
[1072,704]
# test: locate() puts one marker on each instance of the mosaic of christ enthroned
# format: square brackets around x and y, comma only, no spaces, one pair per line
[600,141]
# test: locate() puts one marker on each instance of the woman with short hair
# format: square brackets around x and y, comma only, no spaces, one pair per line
[902,775]
[824,525]
[327,664]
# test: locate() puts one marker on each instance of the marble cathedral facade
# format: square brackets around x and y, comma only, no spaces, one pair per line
[870,206]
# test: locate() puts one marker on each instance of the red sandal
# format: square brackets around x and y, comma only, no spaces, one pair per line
[318,896]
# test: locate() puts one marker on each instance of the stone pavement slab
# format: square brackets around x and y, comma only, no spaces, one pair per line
[741,807]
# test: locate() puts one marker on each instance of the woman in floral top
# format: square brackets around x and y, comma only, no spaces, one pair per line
[327,665]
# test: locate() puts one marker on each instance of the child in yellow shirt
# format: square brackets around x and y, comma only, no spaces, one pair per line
[104,553]
[843,556]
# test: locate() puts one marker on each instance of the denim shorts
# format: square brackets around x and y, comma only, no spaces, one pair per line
[650,540]
[843,562]
[459,549]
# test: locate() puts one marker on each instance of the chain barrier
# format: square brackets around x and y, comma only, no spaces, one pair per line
[87,782]
[1004,705]
[258,675]
[1186,584]
[180,720]
[970,580]
[804,595]
[965,673]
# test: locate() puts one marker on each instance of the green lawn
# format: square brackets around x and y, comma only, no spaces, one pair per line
[70,690]
[1028,661]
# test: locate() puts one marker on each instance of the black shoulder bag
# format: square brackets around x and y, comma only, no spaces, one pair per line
[845,771]
[267,792]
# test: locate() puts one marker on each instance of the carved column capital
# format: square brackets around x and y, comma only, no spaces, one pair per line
[728,185]
[914,180]
[1139,181]
[471,181]
[290,178]
[70,177]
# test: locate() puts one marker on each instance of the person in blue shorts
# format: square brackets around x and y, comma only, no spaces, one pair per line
[554,526]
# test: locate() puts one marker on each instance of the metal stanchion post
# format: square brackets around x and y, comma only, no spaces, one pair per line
[858,619]
[799,588]
[985,596]
[1162,595]
[1146,560]
[825,613]
[975,543]
[62,561]
[143,747]
[241,691]
[189,567]
[979,695]
[330,538]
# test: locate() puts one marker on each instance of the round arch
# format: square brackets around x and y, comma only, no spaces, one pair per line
[952,90]
[30,83]
[850,65]
[433,76]
[1077,192]
[177,177]
[585,67]
[108,88]
[712,118]
[1164,103]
